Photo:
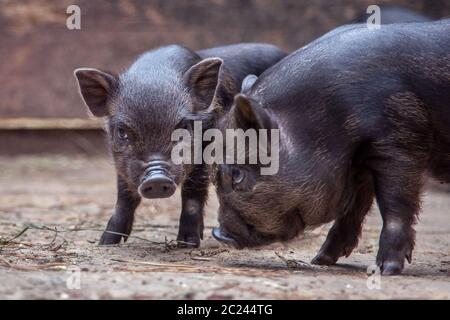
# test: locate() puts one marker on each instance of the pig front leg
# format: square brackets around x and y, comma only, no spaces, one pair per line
[122,219]
[344,234]
[194,193]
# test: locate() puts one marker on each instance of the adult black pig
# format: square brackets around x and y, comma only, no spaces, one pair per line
[362,114]
[142,107]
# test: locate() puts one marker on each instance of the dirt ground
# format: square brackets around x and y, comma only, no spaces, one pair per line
[66,203]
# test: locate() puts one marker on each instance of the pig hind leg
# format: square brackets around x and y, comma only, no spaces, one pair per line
[398,184]
[399,159]
[344,234]
[194,194]
[121,222]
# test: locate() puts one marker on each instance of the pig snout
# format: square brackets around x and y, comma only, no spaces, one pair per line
[156,182]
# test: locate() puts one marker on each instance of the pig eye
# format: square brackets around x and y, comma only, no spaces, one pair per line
[122,134]
[237,175]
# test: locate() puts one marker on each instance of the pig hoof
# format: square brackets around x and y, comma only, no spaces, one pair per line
[391,265]
[109,238]
[389,268]
[188,241]
[391,262]
[323,259]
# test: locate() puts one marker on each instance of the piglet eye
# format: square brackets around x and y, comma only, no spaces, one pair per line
[122,134]
[237,175]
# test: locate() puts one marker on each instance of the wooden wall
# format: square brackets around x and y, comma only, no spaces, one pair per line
[38,53]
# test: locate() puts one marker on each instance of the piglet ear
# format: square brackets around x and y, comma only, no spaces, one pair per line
[249,115]
[95,88]
[248,82]
[202,80]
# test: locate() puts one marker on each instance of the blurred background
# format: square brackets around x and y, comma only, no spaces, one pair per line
[40,110]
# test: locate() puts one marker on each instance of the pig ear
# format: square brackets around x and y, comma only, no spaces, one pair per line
[203,80]
[249,115]
[248,82]
[95,88]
